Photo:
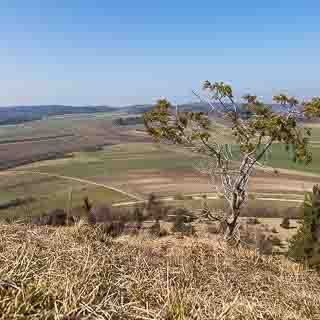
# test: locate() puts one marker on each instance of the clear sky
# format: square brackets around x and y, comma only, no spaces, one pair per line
[124,52]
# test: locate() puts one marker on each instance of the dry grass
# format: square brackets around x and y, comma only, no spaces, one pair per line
[79,273]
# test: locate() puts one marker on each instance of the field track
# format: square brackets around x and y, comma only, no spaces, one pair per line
[138,199]
[31,140]
[197,197]
[78,180]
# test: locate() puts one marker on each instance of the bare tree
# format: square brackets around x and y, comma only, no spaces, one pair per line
[254,126]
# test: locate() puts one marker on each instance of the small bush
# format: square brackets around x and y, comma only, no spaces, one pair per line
[214,228]
[106,214]
[305,244]
[13,219]
[163,232]
[252,221]
[155,229]
[113,229]
[285,223]
[264,245]
[181,226]
[56,217]
[155,209]
[248,236]
[87,205]
[138,215]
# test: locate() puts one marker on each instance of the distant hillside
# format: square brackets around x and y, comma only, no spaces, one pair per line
[193,106]
[20,114]
[135,109]
[204,107]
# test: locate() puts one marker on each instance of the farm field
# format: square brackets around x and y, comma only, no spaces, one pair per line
[54,137]
[138,169]
[130,163]
[49,192]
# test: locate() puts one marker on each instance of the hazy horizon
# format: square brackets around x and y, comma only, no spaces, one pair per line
[101,53]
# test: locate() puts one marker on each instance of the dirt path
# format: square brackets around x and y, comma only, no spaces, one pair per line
[78,180]
[138,200]
[32,140]
[197,197]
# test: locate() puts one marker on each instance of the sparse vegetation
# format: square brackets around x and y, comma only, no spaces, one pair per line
[53,273]
[88,259]
[304,245]
[254,136]
[182,226]
[285,223]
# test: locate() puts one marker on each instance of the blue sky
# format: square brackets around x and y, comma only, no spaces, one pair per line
[124,52]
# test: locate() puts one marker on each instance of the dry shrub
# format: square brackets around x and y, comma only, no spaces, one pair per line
[14,218]
[163,232]
[87,205]
[285,223]
[157,230]
[56,217]
[103,214]
[138,215]
[53,275]
[112,229]
[248,235]
[183,228]
[264,244]
[214,228]
[252,220]
[182,224]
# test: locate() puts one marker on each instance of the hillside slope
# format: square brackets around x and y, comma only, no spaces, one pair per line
[49,273]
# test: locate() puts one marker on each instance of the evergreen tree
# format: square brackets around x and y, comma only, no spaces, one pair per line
[305,244]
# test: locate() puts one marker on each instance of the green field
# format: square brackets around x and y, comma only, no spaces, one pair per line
[113,161]
[116,160]
[49,193]
[54,125]
[281,159]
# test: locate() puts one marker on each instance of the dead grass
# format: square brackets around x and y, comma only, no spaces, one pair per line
[56,273]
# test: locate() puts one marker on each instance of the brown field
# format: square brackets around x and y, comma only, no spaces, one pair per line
[132,165]
[167,182]
[50,139]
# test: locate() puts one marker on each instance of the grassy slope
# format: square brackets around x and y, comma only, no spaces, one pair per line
[115,160]
[49,192]
[112,161]
[50,126]
[52,273]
